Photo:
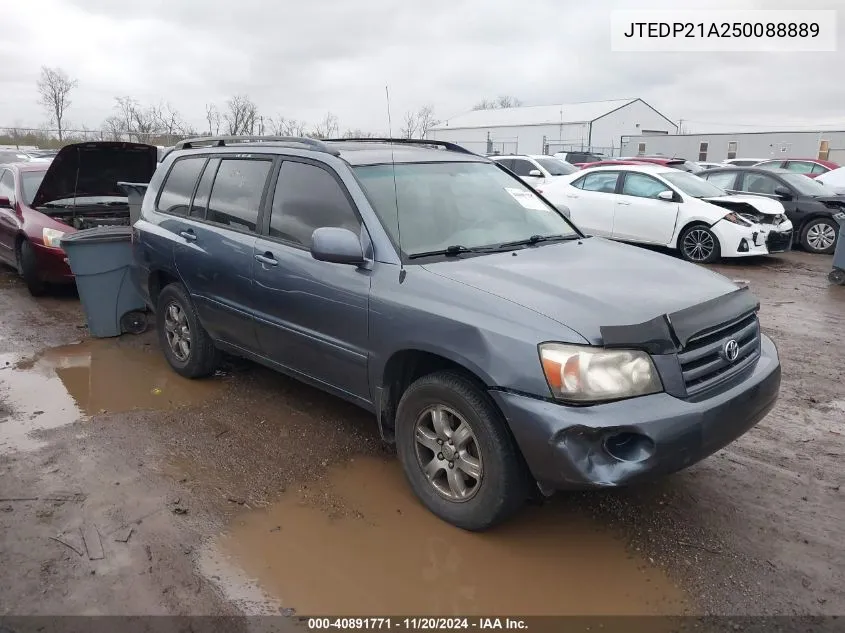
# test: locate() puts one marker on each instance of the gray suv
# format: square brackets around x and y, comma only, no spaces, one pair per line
[503,351]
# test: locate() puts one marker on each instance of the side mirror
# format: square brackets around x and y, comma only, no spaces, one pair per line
[336,245]
[5,203]
[536,173]
[668,196]
[783,192]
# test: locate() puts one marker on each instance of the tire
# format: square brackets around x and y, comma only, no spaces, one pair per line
[503,484]
[819,235]
[28,269]
[698,244]
[200,358]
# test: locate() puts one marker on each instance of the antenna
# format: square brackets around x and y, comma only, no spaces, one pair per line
[395,188]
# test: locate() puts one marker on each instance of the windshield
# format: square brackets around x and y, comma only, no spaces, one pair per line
[30,181]
[807,186]
[556,167]
[449,204]
[692,185]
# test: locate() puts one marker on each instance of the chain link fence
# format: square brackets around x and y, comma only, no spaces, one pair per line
[41,138]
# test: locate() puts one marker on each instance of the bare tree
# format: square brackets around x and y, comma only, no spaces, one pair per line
[425,120]
[503,101]
[327,127]
[410,125]
[54,86]
[417,124]
[241,115]
[357,133]
[212,116]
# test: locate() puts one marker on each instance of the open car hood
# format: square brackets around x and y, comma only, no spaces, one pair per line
[94,169]
[741,203]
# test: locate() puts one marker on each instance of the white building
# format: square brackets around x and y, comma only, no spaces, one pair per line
[597,126]
[715,147]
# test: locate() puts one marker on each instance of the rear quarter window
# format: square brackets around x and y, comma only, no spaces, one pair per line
[175,196]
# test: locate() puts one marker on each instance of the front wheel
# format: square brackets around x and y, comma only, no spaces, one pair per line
[28,269]
[185,343]
[457,453]
[698,244]
[819,235]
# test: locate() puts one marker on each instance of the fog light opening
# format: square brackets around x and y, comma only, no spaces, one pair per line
[629,447]
[743,246]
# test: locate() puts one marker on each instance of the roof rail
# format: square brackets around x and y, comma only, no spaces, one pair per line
[225,141]
[454,147]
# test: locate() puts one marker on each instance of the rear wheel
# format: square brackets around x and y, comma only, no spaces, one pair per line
[28,269]
[699,244]
[819,235]
[457,454]
[185,343]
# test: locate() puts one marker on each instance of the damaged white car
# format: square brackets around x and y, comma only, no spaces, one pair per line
[649,204]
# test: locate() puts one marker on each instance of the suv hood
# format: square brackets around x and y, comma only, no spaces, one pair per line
[740,203]
[93,169]
[589,285]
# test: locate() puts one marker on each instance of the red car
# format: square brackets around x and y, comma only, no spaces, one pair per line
[811,167]
[40,202]
[675,163]
[606,163]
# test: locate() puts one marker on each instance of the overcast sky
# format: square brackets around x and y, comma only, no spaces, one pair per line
[301,59]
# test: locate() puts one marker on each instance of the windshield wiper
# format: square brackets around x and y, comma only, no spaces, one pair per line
[536,239]
[452,251]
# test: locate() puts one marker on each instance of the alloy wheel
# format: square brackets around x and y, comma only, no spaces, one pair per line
[821,236]
[177,331]
[698,245]
[448,453]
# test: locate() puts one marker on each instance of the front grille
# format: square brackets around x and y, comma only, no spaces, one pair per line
[703,361]
[779,242]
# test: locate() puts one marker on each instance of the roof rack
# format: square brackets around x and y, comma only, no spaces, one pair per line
[454,147]
[225,141]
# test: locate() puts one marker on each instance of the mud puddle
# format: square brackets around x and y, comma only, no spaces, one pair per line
[360,544]
[63,384]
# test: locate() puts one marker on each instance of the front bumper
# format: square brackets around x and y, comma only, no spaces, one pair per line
[761,239]
[566,447]
[52,264]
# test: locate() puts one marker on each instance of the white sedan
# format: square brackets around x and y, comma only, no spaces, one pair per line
[650,204]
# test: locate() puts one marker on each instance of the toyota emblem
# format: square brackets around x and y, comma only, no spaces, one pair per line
[731,350]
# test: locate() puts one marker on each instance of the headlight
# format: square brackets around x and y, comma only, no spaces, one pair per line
[52,237]
[736,219]
[590,374]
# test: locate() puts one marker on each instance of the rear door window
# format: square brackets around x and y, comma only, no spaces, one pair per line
[200,202]
[800,166]
[235,199]
[175,196]
[601,182]
[308,197]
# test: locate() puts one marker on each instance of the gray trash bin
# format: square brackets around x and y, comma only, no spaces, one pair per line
[135,192]
[100,259]
[837,275]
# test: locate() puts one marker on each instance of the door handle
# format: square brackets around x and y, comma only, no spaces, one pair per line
[571,195]
[189,235]
[267,258]
[626,204]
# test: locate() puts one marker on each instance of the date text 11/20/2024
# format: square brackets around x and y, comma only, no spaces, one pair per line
[415,624]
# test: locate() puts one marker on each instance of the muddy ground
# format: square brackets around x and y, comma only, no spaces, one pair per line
[125,489]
